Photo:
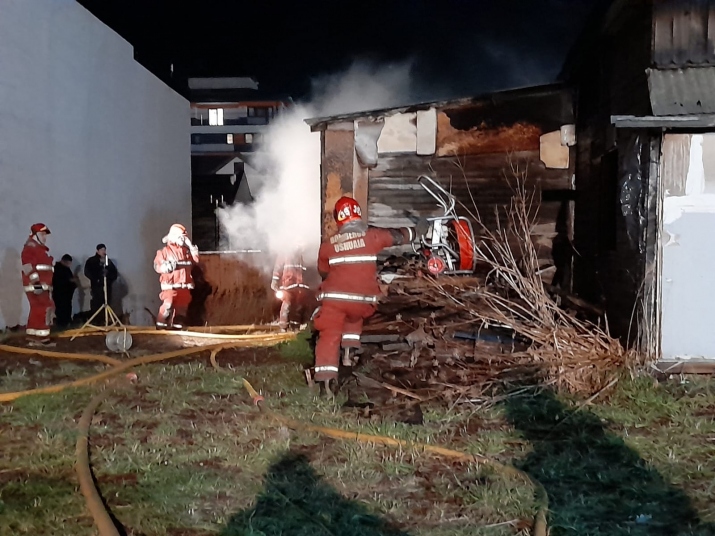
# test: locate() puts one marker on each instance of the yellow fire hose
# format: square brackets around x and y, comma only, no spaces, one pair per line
[149,331]
[247,340]
[101,516]
[540,526]
[98,330]
[92,498]
[60,355]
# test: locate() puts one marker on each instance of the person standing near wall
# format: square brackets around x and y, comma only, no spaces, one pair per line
[96,269]
[64,284]
[37,282]
[173,263]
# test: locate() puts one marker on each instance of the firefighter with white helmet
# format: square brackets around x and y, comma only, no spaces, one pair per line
[350,291]
[173,263]
[37,269]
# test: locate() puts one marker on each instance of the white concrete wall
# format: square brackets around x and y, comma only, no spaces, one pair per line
[91,144]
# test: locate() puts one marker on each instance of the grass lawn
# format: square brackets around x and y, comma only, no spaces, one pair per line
[185,452]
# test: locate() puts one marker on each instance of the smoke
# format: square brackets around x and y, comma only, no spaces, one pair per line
[285,175]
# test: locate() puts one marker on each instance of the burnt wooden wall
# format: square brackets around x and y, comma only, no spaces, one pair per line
[684,33]
[481,144]
[610,79]
[337,152]
[484,186]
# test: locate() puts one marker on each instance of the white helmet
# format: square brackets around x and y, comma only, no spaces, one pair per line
[176,233]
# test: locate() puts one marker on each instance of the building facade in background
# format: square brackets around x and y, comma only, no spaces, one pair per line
[91,144]
[229,117]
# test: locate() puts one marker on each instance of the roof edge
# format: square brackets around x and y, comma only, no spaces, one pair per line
[317,122]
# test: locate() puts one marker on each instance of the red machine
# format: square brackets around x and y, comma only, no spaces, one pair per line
[449,244]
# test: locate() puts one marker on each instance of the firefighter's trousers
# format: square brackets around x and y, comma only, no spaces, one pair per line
[291,303]
[339,324]
[42,310]
[174,304]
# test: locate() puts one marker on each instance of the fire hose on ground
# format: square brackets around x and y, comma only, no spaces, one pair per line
[95,505]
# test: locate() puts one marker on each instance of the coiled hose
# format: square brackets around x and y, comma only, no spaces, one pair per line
[93,499]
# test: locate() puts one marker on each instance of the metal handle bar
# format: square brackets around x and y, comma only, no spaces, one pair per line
[447,201]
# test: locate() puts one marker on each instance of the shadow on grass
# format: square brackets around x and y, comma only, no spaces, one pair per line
[296,502]
[597,485]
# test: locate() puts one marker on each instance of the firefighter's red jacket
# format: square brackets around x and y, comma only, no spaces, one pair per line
[37,265]
[288,272]
[182,259]
[350,262]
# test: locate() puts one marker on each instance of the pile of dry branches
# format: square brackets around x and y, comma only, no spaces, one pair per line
[442,329]
[575,355]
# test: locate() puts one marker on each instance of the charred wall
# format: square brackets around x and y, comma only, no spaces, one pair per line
[613,168]
[484,186]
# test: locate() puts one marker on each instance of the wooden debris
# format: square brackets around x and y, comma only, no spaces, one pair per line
[504,328]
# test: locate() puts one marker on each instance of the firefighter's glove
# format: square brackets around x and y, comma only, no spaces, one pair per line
[422,227]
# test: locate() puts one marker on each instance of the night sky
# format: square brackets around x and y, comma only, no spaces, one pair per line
[457,47]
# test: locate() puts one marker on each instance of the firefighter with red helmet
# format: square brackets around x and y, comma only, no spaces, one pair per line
[37,269]
[350,291]
[173,263]
[287,283]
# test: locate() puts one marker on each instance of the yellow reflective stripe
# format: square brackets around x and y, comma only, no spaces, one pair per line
[326,368]
[353,259]
[38,332]
[172,286]
[31,288]
[347,297]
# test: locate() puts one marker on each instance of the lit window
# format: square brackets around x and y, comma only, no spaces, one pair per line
[249,138]
[215,117]
[229,139]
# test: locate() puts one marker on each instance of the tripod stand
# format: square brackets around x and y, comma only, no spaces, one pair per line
[109,313]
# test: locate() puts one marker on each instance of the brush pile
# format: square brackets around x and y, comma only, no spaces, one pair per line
[467,338]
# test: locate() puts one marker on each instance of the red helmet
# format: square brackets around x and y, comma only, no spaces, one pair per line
[39,228]
[347,210]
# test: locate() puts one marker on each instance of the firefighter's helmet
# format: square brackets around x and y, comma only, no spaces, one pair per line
[39,228]
[176,231]
[347,210]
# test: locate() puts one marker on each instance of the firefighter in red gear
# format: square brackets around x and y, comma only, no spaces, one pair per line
[287,283]
[174,263]
[37,272]
[350,291]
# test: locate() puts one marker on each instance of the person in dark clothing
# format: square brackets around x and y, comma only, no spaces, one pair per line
[64,284]
[95,270]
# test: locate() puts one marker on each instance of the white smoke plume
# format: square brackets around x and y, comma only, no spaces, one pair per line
[286,210]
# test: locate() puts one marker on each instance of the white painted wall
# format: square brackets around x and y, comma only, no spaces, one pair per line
[688,248]
[91,144]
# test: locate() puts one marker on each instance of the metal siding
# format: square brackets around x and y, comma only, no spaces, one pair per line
[682,91]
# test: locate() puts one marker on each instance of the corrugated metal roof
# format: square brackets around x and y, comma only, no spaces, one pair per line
[318,122]
[682,91]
